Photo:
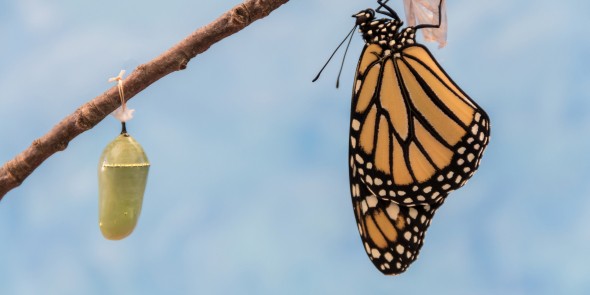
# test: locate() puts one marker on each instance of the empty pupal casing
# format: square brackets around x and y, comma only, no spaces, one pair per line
[122,176]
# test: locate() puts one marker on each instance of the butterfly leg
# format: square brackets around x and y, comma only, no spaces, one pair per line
[388,11]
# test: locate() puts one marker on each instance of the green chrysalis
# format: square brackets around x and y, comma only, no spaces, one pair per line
[122,176]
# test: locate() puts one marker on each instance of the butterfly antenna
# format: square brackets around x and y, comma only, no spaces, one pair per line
[344,57]
[335,50]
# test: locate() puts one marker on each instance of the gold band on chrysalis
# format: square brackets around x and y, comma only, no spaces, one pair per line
[126,165]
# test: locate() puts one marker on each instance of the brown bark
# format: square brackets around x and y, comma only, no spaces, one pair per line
[15,171]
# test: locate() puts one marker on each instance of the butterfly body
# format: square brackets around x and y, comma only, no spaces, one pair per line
[415,136]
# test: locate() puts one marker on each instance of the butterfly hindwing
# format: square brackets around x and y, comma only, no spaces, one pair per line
[392,234]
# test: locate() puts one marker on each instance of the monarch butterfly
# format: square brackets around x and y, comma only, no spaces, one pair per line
[415,136]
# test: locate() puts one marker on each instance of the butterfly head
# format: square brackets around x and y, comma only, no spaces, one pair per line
[364,16]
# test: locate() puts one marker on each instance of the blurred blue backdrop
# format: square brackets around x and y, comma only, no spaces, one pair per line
[248,190]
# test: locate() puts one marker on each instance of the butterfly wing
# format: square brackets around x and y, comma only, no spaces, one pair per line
[392,234]
[415,136]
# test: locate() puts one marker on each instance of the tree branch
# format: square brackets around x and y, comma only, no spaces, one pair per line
[15,171]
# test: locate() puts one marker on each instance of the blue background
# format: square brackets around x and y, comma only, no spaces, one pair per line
[248,190]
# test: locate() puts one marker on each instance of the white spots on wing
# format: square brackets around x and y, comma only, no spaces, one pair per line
[392,210]
[360,228]
[353,190]
[407,235]
[375,253]
[357,86]
[434,195]
[413,213]
[353,142]
[470,157]
[364,207]
[356,125]
[477,117]
[359,159]
[388,257]
[474,129]
[378,181]
[400,249]
[372,201]
[461,150]
[427,189]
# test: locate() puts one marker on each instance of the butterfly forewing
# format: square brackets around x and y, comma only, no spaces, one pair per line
[415,136]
